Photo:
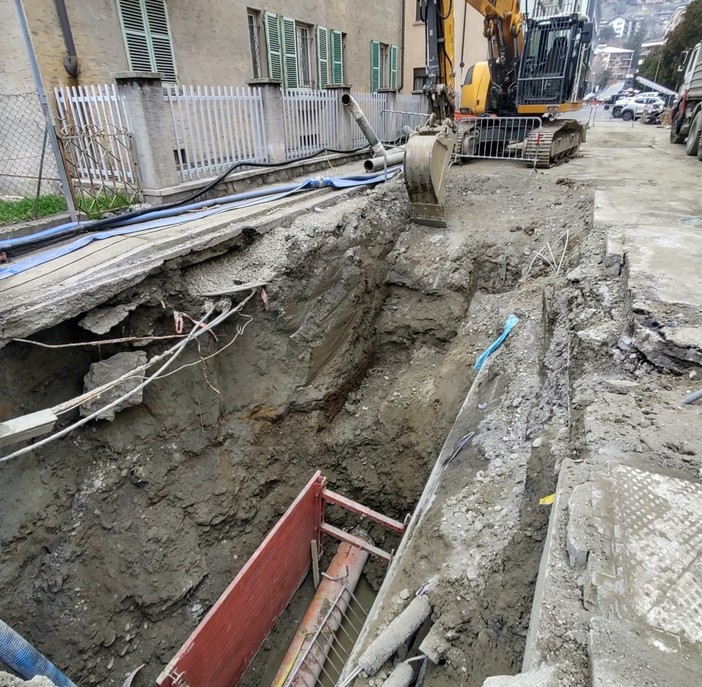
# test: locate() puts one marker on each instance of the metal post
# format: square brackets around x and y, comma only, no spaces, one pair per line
[22,17]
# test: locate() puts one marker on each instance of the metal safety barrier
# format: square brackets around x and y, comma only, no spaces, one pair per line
[499,138]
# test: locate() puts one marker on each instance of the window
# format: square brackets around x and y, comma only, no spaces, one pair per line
[418,16]
[255,43]
[383,66]
[419,79]
[304,40]
[147,36]
[290,53]
[330,57]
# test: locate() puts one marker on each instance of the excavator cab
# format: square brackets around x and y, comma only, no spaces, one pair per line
[553,64]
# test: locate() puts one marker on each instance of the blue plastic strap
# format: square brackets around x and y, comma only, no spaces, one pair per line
[511,321]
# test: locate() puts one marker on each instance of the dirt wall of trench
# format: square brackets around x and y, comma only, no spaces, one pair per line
[117,539]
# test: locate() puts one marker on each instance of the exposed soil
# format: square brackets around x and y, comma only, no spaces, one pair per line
[117,539]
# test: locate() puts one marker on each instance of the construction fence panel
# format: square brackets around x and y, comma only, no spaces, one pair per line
[311,120]
[96,146]
[216,126]
[510,138]
[27,165]
[408,113]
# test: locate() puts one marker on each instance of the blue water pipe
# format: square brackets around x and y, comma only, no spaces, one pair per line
[24,660]
[160,219]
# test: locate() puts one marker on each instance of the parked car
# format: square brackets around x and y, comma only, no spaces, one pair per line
[635,107]
[639,101]
[623,94]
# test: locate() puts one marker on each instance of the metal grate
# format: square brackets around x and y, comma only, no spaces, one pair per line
[325,651]
[510,138]
[96,147]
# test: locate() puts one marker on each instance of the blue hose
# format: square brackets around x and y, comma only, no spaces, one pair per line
[24,660]
[160,219]
[312,183]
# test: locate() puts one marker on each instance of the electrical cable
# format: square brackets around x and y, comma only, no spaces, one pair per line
[164,219]
[72,228]
[448,12]
[198,330]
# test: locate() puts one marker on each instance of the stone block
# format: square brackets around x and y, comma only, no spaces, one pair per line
[108,370]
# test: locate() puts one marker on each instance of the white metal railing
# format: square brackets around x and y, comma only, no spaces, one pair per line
[92,116]
[311,120]
[216,126]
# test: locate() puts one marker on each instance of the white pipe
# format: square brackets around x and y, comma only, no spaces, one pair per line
[394,157]
[357,113]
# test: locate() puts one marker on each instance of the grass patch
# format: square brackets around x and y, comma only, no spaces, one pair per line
[95,207]
[13,211]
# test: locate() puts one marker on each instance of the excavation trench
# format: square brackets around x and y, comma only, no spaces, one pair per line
[117,539]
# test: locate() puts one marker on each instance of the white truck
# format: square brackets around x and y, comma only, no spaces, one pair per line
[686,124]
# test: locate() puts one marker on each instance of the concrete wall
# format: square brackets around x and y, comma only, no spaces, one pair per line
[474,44]
[15,76]
[210,38]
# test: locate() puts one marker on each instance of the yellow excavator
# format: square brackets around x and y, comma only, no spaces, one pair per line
[536,70]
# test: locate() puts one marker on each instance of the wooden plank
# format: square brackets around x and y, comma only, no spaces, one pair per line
[218,652]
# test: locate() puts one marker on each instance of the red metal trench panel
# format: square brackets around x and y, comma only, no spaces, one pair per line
[220,650]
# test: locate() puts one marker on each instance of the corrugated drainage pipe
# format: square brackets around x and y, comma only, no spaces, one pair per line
[357,113]
[22,658]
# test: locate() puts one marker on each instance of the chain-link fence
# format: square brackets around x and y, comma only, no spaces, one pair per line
[28,172]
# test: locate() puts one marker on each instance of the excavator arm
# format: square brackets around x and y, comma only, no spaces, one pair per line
[503,30]
[430,148]
[537,68]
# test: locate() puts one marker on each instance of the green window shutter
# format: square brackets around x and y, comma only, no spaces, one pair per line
[160,35]
[135,37]
[322,56]
[147,36]
[337,55]
[289,52]
[275,63]
[393,66]
[375,66]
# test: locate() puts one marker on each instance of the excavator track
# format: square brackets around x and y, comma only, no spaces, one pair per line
[553,143]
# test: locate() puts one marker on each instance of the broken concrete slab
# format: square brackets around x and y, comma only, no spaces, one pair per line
[578,534]
[543,677]
[656,237]
[101,320]
[108,370]
[7,680]
[74,284]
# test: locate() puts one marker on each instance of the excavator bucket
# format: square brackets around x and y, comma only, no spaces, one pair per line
[427,157]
